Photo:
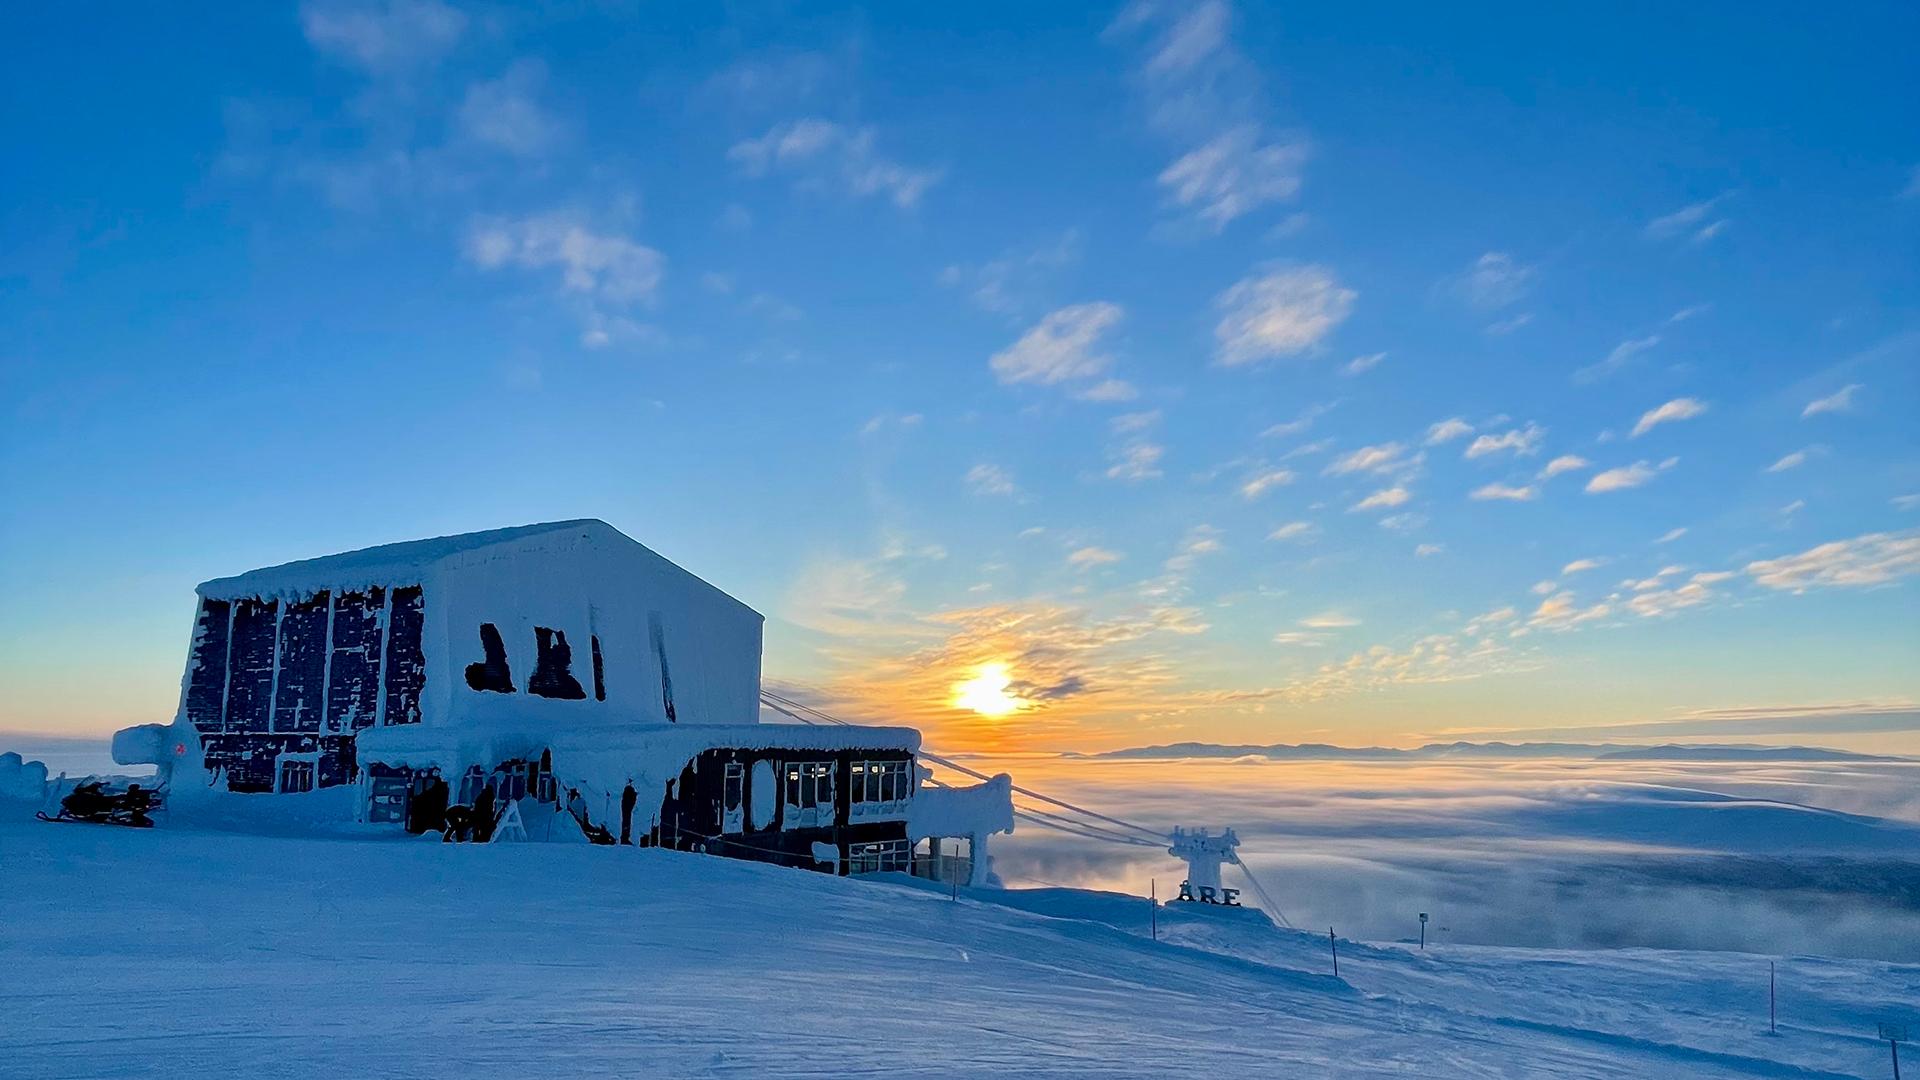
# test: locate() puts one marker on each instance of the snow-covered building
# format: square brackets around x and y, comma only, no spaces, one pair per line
[552,666]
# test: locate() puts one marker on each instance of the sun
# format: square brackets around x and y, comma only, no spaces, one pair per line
[986,693]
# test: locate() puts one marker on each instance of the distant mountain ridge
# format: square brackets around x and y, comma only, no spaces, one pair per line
[1595,751]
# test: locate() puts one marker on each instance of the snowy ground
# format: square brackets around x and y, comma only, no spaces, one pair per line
[173,953]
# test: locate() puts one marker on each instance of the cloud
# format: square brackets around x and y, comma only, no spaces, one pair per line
[1384,499]
[1561,612]
[1504,491]
[1205,97]
[1790,461]
[1007,285]
[987,479]
[1503,327]
[1233,174]
[1658,601]
[1563,463]
[1685,408]
[1294,530]
[1329,620]
[1448,430]
[1872,559]
[1671,535]
[383,38]
[1063,346]
[1264,481]
[1385,458]
[1360,364]
[1279,312]
[505,114]
[604,265]
[1299,424]
[1522,441]
[1088,557]
[1300,637]
[1494,281]
[1839,401]
[1136,461]
[1621,355]
[825,154]
[1424,550]
[1627,476]
[1905,502]
[1581,565]
[1687,220]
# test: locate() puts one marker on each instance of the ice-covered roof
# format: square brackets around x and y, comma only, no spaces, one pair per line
[409,562]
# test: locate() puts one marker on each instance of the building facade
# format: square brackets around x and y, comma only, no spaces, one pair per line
[553,666]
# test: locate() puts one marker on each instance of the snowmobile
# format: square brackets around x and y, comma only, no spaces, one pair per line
[92,802]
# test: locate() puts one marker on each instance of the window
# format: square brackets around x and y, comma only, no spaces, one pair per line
[809,795]
[732,794]
[879,789]
[296,776]
[887,855]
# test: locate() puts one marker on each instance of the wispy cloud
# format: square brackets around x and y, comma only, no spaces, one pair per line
[1448,430]
[1329,620]
[609,270]
[1685,408]
[1790,461]
[1522,441]
[1088,557]
[1384,499]
[1621,355]
[1011,283]
[1234,173]
[1264,481]
[1063,347]
[986,479]
[1279,312]
[1505,491]
[1294,531]
[384,37]
[506,115]
[1626,476]
[1493,281]
[1872,559]
[1671,535]
[1840,400]
[1384,458]
[1204,96]
[1563,463]
[1691,221]
[1138,460]
[829,156]
[1360,364]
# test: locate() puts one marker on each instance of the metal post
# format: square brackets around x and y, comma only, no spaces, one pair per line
[1153,908]
[1894,1045]
[1423,931]
[1335,949]
[1771,1029]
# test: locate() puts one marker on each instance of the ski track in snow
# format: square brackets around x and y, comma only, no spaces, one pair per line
[171,953]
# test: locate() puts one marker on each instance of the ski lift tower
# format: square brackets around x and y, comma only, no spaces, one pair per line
[1204,853]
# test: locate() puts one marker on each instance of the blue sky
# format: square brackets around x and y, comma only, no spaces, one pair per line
[1191,372]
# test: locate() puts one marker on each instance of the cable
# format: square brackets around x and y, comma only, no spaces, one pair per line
[1153,833]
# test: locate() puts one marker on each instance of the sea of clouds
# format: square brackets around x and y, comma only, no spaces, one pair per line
[1779,858]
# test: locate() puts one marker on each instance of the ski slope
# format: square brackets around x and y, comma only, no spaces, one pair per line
[171,953]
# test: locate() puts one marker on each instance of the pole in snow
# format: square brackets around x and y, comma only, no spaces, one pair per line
[1335,949]
[1893,1033]
[1771,1029]
[1423,931]
[1153,907]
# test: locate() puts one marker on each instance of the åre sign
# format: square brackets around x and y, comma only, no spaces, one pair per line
[1208,895]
